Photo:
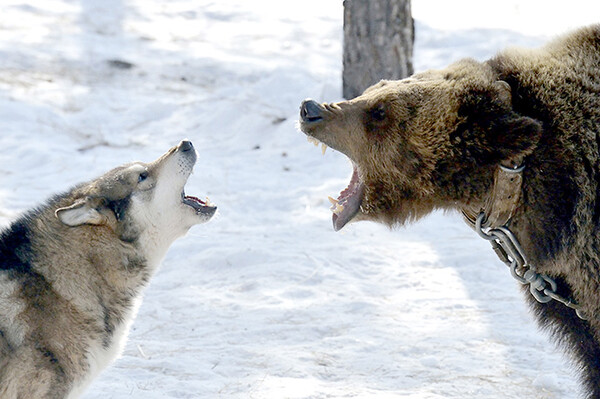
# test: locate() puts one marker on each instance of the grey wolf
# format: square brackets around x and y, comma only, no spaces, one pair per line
[72,272]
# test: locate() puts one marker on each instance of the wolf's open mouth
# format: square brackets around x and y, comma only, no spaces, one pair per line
[205,207]
[347,204]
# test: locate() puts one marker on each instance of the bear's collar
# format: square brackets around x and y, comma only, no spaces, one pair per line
[491,223]
[502,202]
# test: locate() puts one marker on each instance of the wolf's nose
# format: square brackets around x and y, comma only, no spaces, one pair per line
[185,145]
[311,111]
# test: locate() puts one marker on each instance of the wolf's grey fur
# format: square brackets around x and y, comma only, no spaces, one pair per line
[72,272]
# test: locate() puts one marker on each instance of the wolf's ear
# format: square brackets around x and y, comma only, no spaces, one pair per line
[82,211]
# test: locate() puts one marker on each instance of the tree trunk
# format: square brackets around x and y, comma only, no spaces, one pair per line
[378,43]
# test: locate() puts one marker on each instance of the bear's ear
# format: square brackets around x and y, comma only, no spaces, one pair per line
[511,135]
[502,91]
[514,136]
[491,131]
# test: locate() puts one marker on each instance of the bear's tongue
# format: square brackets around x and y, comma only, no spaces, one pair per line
[348,203]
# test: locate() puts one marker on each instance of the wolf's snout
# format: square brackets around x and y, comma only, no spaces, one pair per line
[185,146]
[311,111]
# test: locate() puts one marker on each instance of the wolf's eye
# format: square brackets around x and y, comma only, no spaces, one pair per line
[143,176]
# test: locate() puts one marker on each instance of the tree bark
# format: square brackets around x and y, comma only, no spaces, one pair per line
[378,43]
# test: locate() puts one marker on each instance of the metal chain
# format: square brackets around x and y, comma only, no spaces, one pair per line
[508,249]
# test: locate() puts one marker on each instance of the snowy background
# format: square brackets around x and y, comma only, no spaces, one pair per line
[266,301]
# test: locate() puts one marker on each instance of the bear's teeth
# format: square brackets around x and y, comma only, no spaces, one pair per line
[338,209]
[207,202]
[323,148]
[312,140]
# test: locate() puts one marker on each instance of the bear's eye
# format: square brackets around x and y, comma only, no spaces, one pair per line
[378,113]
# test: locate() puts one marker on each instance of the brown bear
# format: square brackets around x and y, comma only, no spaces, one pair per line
[513,143]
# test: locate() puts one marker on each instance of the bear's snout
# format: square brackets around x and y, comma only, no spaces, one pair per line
[311,111]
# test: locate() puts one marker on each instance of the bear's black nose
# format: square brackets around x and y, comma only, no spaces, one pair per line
[185,145]
[311,111]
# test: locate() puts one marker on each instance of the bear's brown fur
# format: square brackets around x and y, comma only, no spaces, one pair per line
[435,140]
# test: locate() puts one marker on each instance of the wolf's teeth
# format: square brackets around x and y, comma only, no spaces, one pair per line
[323,148]
[336,207]
[207,202]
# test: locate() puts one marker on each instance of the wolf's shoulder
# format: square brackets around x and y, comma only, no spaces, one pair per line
[15,246]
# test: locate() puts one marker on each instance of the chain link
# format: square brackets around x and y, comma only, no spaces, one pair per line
[508,249]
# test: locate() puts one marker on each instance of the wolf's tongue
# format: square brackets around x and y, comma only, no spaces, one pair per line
[190,198]
[349,202]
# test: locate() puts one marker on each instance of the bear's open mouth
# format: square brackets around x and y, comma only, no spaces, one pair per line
[347,205]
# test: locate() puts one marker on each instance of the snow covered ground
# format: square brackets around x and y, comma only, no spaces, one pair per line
[266,301]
